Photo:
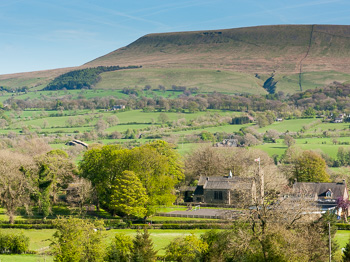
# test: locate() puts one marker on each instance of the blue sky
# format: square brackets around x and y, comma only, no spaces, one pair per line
[48,34]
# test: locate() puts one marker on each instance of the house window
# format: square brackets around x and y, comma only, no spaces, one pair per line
[329,194]
[218,195]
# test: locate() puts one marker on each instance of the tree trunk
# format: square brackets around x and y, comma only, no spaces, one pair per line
[11,217]
[98,206]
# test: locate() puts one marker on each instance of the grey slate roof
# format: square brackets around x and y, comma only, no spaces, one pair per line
[338,189]
[223,183]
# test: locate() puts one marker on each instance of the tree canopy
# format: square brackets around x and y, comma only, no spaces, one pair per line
[157,166]
[129,196]
[310,167]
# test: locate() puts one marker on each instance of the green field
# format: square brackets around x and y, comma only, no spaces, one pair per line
[148,124]
[42,122]
[319,144]
[207,80]
[293,125]
[310,80]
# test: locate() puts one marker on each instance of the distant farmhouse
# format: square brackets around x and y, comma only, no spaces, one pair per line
[325,195]
[226,190]
[76,142]
[118,107]
[227,143]
[340,118]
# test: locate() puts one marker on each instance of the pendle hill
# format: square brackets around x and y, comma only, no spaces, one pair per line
[240,60]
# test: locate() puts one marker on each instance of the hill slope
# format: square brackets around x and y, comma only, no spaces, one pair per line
[301,56]
[254,49]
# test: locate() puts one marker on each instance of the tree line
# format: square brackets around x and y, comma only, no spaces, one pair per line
[83,78]
[125,182]
[324,101]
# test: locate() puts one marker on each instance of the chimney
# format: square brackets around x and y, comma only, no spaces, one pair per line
[230,174]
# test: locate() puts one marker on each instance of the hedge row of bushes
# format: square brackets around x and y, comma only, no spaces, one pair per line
[120,224]
[221,221]
[343,226]
[183,226]
[196,226]
[13,243]
[27,226]
[29,221]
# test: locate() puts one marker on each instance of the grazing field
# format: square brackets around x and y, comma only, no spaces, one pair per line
[310,80]
[330,127]
[293,125]
[51,122]
[207,80]
[319,144]
[183,129]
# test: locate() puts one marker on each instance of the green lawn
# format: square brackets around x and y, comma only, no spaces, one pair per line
[342,237]
[41,239]
[26,258]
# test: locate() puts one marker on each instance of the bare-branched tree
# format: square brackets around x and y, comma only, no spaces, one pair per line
[15,181]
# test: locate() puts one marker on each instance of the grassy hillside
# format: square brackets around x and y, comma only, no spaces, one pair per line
[207,80]
[252,49]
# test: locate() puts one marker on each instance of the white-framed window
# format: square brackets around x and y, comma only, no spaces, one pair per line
[329,194]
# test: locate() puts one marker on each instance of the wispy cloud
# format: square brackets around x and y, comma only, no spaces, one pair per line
[68,35]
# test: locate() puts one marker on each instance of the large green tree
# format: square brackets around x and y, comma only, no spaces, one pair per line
[129,197]
[78,240]
[157,165]
[310,167]
[102,165]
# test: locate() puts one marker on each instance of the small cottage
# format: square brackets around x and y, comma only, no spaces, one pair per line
[324,194]
[338,120]
[225,190]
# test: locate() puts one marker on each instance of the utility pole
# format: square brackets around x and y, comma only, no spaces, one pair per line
[330,241]
[261,182]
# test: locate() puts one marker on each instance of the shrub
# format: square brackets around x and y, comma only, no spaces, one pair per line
[342,226]
[13,243]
